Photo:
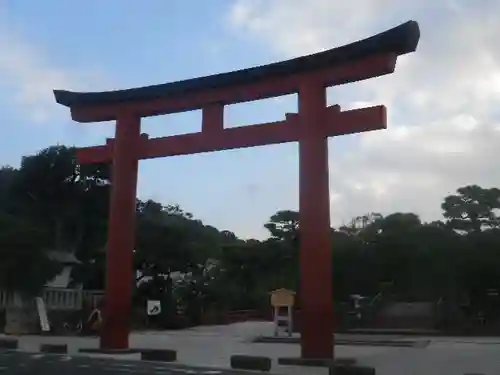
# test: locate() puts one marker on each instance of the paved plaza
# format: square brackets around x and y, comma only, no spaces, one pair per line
[208,349]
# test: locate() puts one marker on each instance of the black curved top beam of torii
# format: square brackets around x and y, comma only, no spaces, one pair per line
[398,41]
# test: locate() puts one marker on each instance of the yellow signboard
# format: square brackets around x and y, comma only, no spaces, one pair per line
[282,298]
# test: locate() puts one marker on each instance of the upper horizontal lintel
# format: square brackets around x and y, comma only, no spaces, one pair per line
[396,41]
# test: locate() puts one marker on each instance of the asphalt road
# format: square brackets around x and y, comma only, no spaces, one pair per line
[22,363]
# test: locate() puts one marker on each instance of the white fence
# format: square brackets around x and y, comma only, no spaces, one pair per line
[54,298]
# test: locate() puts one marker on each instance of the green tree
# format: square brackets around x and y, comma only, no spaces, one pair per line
[54,191]
[170,241]
[7,179]
[51,202]
[472,209]
[284,225]
[25,266]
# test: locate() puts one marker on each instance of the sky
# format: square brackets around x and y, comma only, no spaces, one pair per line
[443,100]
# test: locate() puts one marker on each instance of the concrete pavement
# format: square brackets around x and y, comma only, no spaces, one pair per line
[212,347]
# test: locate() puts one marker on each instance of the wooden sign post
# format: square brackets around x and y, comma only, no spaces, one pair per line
[283,298]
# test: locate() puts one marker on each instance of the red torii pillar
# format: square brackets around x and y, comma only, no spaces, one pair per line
[311,127]
[121,233]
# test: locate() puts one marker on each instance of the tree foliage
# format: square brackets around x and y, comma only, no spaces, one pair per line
[51,202]
[24,266]
[472,209]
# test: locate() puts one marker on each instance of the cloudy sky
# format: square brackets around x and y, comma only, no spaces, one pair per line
[443,100]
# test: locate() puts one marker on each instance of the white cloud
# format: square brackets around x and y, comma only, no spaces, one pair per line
[443,100]
[28,76]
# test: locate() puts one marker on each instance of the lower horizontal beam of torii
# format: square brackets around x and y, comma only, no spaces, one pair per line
[336,123]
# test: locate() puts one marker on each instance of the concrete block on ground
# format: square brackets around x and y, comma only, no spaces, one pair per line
[338,369]
[54,348]
[162,355]
[247,362]
[8,344]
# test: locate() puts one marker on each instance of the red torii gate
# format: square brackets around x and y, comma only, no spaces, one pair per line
[309,76]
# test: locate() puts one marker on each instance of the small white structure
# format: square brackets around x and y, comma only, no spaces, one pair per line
[68,261]
[42,314]
[22,315]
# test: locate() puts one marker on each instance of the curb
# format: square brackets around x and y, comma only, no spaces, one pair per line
[109,351]
[54,348]
[416,343]
[247,362]
[9,344]
[316,362]
[350,370]
[162,355]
